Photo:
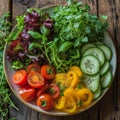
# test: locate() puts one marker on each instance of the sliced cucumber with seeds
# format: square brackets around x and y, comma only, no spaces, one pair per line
[97,53]
[97,93]
[107,52]
[106,79]
[104,68]
[91,81]
[86,46]
[90,65]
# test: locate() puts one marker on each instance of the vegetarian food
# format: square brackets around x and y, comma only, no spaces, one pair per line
[60,60]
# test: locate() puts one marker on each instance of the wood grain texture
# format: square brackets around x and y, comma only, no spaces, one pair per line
[112,10]
[20,6]
[4,6]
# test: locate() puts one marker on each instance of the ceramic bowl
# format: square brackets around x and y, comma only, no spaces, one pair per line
[9,72]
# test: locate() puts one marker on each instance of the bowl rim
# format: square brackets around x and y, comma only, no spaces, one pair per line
[52,112]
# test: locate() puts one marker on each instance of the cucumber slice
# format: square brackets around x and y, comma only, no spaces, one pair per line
[98,93]
[106,79]
[89,65]
[104,68]
[86,46]
[91,81]
[97,53]
[107,52]
[99,43]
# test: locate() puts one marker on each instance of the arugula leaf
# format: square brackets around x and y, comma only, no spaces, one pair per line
[65,46]
[73,27]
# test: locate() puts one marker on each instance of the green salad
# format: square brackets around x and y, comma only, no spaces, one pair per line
[55,39]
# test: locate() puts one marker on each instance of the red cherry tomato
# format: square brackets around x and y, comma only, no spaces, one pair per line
[48,71]
[35,80]
[33,67]
[20,77]
[54,91]
[45,102]
[43,89]
[27,93]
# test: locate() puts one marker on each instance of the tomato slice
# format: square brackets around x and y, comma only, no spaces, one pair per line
[33,67]
[35,80]
[27,93]
[43,89]
[45,102]
[48,71]
[54,91]
[20,77]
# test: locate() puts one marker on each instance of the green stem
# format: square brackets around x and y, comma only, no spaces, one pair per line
[46,53]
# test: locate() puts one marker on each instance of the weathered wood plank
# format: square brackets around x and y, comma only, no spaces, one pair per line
[41,3]
[4,6]
[20,6]
[112,9]
[118,40]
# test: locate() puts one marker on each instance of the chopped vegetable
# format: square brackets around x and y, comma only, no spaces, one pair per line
[72,79]
[54,91]
[20,77]
[35,80]
[33,67]
[48,72]
[77,70]
[86,96]
[27,93]
[45,102]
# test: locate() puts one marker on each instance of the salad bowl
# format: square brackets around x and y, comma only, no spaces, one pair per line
[9,73]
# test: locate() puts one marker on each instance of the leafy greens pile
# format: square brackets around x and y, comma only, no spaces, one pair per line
[73,27]
[57,38]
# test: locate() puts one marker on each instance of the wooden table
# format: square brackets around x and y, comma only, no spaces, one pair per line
[106,109]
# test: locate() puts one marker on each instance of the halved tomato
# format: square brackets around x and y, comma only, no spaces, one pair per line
[35,80]
[33,67]
[43,89]
[54,91]
[20,77]
[27,93]
[45,102]
[48,72]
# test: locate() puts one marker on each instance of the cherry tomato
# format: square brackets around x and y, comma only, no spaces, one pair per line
[27,93]
[45,101]
[35,80]
[20,77]
[43,89]
[33,67]
[48,71]
[54,91]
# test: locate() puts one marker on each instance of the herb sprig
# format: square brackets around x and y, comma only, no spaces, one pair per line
[5,100]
